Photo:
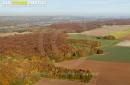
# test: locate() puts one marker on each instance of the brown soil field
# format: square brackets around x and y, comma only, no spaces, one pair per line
[126,37]
[106,30]
[12,33]
[105,73]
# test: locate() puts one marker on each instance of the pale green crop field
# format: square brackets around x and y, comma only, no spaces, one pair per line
[120,34]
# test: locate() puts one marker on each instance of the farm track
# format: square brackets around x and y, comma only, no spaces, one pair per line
[125,43]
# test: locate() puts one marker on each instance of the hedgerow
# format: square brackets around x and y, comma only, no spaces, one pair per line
[107,37]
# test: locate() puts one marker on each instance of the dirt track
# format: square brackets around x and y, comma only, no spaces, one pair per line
[125,43]
[110,73]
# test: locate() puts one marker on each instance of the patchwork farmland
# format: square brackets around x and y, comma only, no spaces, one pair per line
[50,53]
[106,30]
[110,64]
[106,67]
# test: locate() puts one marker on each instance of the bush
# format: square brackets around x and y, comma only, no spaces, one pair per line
[107,37]
[100,51]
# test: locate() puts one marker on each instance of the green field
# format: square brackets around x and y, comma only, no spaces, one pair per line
[120,34]
[102,41]
[113,54]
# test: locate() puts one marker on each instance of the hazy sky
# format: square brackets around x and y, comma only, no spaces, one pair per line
[72,7]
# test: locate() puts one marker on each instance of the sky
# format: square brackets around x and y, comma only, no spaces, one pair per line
[70,7]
